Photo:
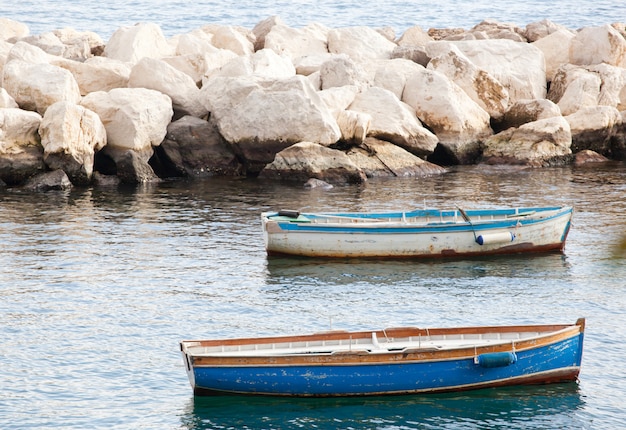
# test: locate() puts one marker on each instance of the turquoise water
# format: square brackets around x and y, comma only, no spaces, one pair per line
[98,286]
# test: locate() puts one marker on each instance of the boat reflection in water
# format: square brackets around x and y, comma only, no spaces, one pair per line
[545,406]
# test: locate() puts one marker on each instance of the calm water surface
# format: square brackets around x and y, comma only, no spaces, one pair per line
[98,286]
[179,16]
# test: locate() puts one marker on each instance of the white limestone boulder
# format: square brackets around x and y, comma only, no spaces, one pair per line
[574,88]
[525,111]
[263,63]
[135,119]
[305,160]
[394,121]
[235,39]
[414,36]
[160,76]
[262,28]
[613,86]
[479,84]
[80,45]
[263,116]
[378,158]
[311,64]
[6,101]
[337,99]
[10,29]
[393,74]
[196,55]
[28,53]
[21,153]
[593,128]
[459,123]
[354,126]
[491,29]
[97,73]
[48,42]
[520,67]
[538,30]
[555,48]
[295,43]
[70,136]
[595,45]
[360,43]
[5,48]
[541,143]
[37,86]
[131,44]
[341,70]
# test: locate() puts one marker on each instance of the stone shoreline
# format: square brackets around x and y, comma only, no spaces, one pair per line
[298,104]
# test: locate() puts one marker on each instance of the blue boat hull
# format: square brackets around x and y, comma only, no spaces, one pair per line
[557,362]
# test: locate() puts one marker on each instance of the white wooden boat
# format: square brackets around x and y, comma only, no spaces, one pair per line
[418,233]
[391,361]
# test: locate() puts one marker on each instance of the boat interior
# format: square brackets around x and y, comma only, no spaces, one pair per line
[377,342]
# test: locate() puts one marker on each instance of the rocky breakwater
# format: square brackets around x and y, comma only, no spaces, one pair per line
[339,105]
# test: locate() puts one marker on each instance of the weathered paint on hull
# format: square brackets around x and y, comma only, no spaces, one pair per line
[556,362]
[459,240]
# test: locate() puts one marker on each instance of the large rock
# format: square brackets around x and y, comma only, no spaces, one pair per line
[6,101]
[28,53]
[394,121]
[70,135]
[540,29]
[194,148]
[160,76]
[393,74]
[80,45]
[414,36]
[479,84]
[55,180]
[491,29]
[21,153]
[235,39]
[540,143]
[263,63]
[360,43]
[520,67]
[305,160]
[378,158]
[341,70]
[48,42]
[10,29]
[574,88]
[595,45]
[260,117]
[131,44]
[337,99]
[555,48]
[37,86]
[295,43]
[262,28]
[354,126]
[135,119]
[459,123]
[197,56]
[593,128]
[132,169]
[525,111]
[97,73]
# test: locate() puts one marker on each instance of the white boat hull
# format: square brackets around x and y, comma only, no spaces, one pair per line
[325,236]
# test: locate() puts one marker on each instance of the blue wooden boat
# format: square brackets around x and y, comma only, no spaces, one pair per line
[390,361]
[417,233]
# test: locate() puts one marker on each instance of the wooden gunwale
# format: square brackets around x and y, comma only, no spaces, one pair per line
[546,335]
